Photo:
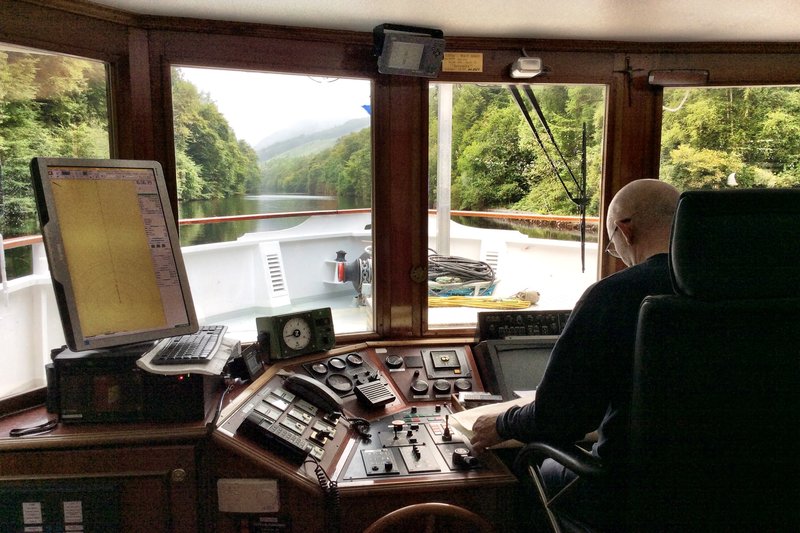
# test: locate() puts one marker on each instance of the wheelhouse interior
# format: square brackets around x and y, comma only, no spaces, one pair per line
[399,360]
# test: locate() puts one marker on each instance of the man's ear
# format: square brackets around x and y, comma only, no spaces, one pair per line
[626,229]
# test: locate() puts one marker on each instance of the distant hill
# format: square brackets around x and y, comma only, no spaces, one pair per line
[308,143]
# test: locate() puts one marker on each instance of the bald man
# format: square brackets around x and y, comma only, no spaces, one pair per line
[587,384]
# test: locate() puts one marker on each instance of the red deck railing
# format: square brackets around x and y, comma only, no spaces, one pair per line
[28,240]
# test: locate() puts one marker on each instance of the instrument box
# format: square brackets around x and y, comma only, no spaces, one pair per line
[108,386]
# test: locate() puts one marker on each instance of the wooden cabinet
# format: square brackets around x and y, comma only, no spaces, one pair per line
[150,472]
[155,487]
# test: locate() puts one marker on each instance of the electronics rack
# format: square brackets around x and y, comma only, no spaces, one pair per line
[494,325]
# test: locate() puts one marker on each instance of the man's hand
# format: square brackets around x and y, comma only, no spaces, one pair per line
[485,433]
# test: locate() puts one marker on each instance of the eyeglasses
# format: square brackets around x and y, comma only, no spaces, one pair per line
[611,249]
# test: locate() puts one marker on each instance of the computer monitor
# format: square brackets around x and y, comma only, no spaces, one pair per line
[509,366]
[114,253]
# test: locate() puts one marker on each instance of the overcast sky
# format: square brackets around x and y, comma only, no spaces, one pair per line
[258,104]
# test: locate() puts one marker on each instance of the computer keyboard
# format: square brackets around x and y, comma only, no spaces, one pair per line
[193,348]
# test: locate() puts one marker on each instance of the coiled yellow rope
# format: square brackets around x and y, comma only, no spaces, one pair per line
[486,302]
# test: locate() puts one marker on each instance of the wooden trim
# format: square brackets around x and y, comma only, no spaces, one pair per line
[22,402]
[87,435]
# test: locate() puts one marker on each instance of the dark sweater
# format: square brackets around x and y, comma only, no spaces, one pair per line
[587,384]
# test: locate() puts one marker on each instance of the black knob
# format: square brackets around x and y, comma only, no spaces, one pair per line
[337,364]
[441,386]
[462,384]
[354,359]
[419,387]
[394,361]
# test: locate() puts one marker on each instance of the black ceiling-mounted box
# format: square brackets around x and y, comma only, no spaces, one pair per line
[408,50]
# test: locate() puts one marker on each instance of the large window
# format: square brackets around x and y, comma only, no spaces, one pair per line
[279,169]
[50,105]
[718,138]
[506,222]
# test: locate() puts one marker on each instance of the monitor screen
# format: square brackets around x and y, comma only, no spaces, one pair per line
[113,249]
[510,366]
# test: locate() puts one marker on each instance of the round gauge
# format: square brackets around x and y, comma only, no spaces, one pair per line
[355,359]
[394,361]
[441,386]
[319,368]
[337,364]
[419,387]
[462,384]
[339,383]
[296,333]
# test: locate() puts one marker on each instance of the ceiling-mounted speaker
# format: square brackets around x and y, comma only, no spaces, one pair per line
[408,50]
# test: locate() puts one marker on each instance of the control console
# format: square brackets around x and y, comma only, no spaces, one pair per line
[525,323]
[430,373]
[418,440]
[297,424]
[351,374]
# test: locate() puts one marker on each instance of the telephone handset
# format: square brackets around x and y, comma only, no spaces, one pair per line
[277,421]
[313,392]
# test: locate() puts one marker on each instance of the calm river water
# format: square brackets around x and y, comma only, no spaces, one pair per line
[247,205]
[279,203]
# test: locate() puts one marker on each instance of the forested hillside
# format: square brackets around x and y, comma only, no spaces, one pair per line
[497,162]
[56,106]
[49,106]
[211,162]
[751,132]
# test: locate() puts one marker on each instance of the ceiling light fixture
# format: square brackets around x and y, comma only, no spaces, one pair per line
[526,67]
[678,77]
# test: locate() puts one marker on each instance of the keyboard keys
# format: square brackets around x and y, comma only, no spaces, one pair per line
[193,348]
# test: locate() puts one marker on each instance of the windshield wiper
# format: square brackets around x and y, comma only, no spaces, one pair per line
[580,198]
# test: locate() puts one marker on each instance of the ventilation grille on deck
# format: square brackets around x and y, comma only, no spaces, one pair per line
[275,273]
[492,258]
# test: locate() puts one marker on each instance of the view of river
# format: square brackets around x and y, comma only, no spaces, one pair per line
[281,203]
[19,260]
[247,205]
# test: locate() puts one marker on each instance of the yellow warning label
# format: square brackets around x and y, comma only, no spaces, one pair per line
[462,62]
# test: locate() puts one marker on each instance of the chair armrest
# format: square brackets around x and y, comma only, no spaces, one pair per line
[573,457]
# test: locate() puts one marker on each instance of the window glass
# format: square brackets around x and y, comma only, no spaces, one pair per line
[55,106]
[729,137]
[264,159]
[505,227]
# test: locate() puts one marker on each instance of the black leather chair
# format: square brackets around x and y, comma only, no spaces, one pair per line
[714,421]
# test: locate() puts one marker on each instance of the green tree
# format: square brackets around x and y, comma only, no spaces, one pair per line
[344,170]
[492,165]
[693,168]
[208,155]
[52,106]
[499,163]
[752,131]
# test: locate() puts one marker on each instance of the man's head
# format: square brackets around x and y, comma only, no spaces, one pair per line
[639,220]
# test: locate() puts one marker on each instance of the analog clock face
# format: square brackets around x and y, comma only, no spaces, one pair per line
[296,333]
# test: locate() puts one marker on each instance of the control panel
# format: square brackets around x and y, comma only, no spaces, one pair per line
[308,407]
[295,425]
[368,423]
[418,440]
[352,375]
[515,323]
[375,415]
[430,373]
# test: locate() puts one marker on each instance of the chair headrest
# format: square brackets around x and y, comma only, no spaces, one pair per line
[735,245]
